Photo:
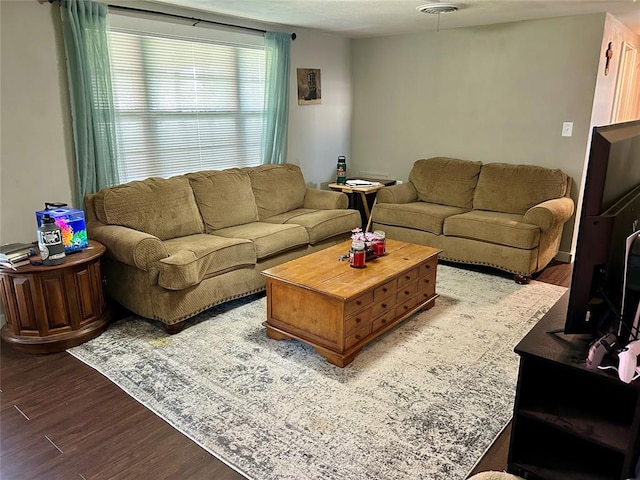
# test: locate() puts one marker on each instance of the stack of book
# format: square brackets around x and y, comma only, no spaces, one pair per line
[362,183]
[13,255]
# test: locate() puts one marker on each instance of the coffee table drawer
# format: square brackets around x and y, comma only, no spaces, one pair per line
[357,321]
[425,295]
[383,320]
[385,290]
[427,284]
[407,277]
[357,336]
[382,306]
[407,305]
[406,291]
[357,303]
[428,268]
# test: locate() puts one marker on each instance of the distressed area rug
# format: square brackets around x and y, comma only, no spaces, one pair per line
[423,401]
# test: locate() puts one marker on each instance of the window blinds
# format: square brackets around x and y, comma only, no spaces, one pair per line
[185,104]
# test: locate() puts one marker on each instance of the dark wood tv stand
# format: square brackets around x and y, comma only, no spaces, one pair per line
[569,422]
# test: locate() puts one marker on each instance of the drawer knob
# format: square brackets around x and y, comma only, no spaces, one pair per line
[407,277]
[384,305]
[406,292]
[358,320]
[358,302]
[384,289]
[406,308]
[383,321]
[358,337]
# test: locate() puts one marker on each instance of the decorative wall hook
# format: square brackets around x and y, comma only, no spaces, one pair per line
[608,54]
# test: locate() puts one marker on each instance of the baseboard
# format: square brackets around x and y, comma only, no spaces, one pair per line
[564,257]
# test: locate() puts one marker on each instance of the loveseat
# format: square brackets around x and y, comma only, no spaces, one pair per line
[505,216]
[178,246]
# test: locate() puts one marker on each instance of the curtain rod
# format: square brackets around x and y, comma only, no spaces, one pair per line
[193,19]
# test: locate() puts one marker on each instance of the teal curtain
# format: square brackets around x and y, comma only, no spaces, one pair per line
[84,30]
[276,98]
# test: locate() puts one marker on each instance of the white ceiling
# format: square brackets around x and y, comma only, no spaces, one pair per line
[366,18]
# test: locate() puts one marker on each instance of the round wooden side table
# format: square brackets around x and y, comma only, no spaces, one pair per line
[52,308]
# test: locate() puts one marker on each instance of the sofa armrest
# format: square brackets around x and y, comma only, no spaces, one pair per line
[403,193]
[551,213]
[325,199]
[132,247]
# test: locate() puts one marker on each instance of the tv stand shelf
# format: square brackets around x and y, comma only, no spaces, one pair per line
[569,422]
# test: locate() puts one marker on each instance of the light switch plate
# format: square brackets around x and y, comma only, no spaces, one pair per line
[567,129]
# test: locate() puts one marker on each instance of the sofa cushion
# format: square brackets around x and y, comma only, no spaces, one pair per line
[447,181]
[268,238]
[493,227]
[417,215]
[277,188]
[165,208]
[225,198]
[509,188]
[320,224]
[196,257]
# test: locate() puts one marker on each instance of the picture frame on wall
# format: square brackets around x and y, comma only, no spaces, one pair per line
[309,86]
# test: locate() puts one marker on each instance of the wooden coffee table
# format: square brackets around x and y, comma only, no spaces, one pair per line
[337,309]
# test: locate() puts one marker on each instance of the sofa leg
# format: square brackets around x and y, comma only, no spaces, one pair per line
[522,279]
[174,328]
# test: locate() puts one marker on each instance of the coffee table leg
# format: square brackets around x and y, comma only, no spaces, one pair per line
[276,334]
[332,357]
[338,360]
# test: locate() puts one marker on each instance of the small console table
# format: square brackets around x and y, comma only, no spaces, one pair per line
[52,308]
[569,422]
[366,200]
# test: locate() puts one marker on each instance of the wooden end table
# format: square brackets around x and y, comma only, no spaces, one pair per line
[365,191]
[338,309]
[52,308]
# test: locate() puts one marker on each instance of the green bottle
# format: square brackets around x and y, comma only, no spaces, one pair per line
[342,170]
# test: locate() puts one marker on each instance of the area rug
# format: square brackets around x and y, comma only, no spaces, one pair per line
[423,401]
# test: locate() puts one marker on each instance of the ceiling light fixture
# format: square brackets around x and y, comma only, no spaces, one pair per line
[438,8]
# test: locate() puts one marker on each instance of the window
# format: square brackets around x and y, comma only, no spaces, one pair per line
[185,104]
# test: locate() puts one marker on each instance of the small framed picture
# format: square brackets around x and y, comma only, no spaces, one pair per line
[309,86]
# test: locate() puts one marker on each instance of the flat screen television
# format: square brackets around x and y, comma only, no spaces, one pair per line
[608,223]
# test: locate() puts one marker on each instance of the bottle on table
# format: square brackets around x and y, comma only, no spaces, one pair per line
[341,178]
[50,241]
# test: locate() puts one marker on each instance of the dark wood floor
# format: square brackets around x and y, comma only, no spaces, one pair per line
[59,419]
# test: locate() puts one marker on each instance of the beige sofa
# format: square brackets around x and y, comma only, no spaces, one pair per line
[178,246]
[501,215]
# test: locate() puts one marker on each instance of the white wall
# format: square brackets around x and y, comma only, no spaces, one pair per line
[498,93]
[36,147]
[36,144]
[319,133]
